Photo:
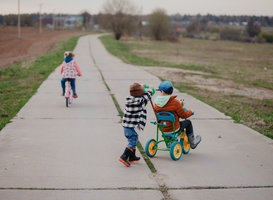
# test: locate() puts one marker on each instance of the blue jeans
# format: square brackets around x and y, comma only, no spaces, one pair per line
[131,136]
[72,83]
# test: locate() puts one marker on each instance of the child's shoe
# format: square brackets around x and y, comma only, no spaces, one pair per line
[194,141]
[124,157]
[75,96]
[133,158]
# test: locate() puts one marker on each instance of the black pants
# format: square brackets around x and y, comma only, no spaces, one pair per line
[188,125]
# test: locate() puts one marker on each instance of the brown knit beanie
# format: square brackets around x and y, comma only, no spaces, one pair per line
[136,90]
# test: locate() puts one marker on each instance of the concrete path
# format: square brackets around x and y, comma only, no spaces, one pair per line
[53,152]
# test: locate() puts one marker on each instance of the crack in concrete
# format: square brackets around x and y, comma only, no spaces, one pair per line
[137,188]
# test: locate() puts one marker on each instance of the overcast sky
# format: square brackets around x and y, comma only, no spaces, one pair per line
[192,7]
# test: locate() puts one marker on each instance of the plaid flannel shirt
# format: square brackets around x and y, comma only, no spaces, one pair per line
[135,111]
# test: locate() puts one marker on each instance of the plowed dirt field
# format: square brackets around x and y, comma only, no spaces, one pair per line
[31,44]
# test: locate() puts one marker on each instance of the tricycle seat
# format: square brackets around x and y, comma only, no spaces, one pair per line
[165,116]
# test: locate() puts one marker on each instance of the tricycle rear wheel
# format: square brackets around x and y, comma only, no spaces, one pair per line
[150,148]
[186,146]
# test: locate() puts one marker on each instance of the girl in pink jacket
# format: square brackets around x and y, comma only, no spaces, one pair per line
[69,70]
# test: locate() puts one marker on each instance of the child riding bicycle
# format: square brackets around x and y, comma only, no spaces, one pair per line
[69,70]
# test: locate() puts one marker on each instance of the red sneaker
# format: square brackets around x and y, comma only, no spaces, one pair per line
[75,96]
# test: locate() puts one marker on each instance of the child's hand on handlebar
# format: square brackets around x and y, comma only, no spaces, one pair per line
[149,87]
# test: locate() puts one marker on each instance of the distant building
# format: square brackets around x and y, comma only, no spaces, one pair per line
[68,22]
[47,22]
[59,21]
[75,21]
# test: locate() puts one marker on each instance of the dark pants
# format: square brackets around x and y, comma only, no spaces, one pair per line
[187,125]
[72,83]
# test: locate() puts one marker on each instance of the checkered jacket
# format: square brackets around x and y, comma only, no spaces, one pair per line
[135,111]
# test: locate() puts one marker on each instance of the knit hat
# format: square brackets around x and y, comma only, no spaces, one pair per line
[136,90]
[68,53]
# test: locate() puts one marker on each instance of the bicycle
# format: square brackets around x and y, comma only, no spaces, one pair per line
[68,93]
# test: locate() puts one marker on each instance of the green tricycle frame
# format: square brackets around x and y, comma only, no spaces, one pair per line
[176,142]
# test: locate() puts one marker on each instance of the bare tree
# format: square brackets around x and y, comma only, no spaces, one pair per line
[120,16]
[159,25]
[197,26]
[253,28]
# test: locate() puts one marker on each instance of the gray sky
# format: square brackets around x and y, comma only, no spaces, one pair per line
[192,7]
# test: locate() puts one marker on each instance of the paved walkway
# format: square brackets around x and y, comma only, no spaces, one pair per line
[53,152]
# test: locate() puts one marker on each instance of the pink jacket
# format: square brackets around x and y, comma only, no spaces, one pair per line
[70,69]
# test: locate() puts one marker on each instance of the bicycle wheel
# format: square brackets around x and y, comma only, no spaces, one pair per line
[150,148]
[71,97]
[66,101]
[176,151]
[186,146]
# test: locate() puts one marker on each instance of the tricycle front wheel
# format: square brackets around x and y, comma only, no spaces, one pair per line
[176,151]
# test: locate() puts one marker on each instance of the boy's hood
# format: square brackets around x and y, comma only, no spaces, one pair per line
[162,100]
[68,59]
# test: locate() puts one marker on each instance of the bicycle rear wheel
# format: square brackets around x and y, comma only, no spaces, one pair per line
[71,96]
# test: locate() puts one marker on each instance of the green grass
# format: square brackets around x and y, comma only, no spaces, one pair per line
[240,63]
[18,83]
[122,51]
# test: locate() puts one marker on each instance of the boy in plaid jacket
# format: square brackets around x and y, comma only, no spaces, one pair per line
[134,120]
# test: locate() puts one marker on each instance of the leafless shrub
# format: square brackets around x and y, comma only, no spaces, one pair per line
[159,24]
[119,16]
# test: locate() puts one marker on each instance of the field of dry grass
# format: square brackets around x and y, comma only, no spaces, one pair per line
[241,68]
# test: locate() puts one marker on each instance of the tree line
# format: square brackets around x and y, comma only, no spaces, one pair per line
[119,17]
[263,21]
[123,17]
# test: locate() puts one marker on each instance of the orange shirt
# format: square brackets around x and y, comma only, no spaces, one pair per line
[174,106]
